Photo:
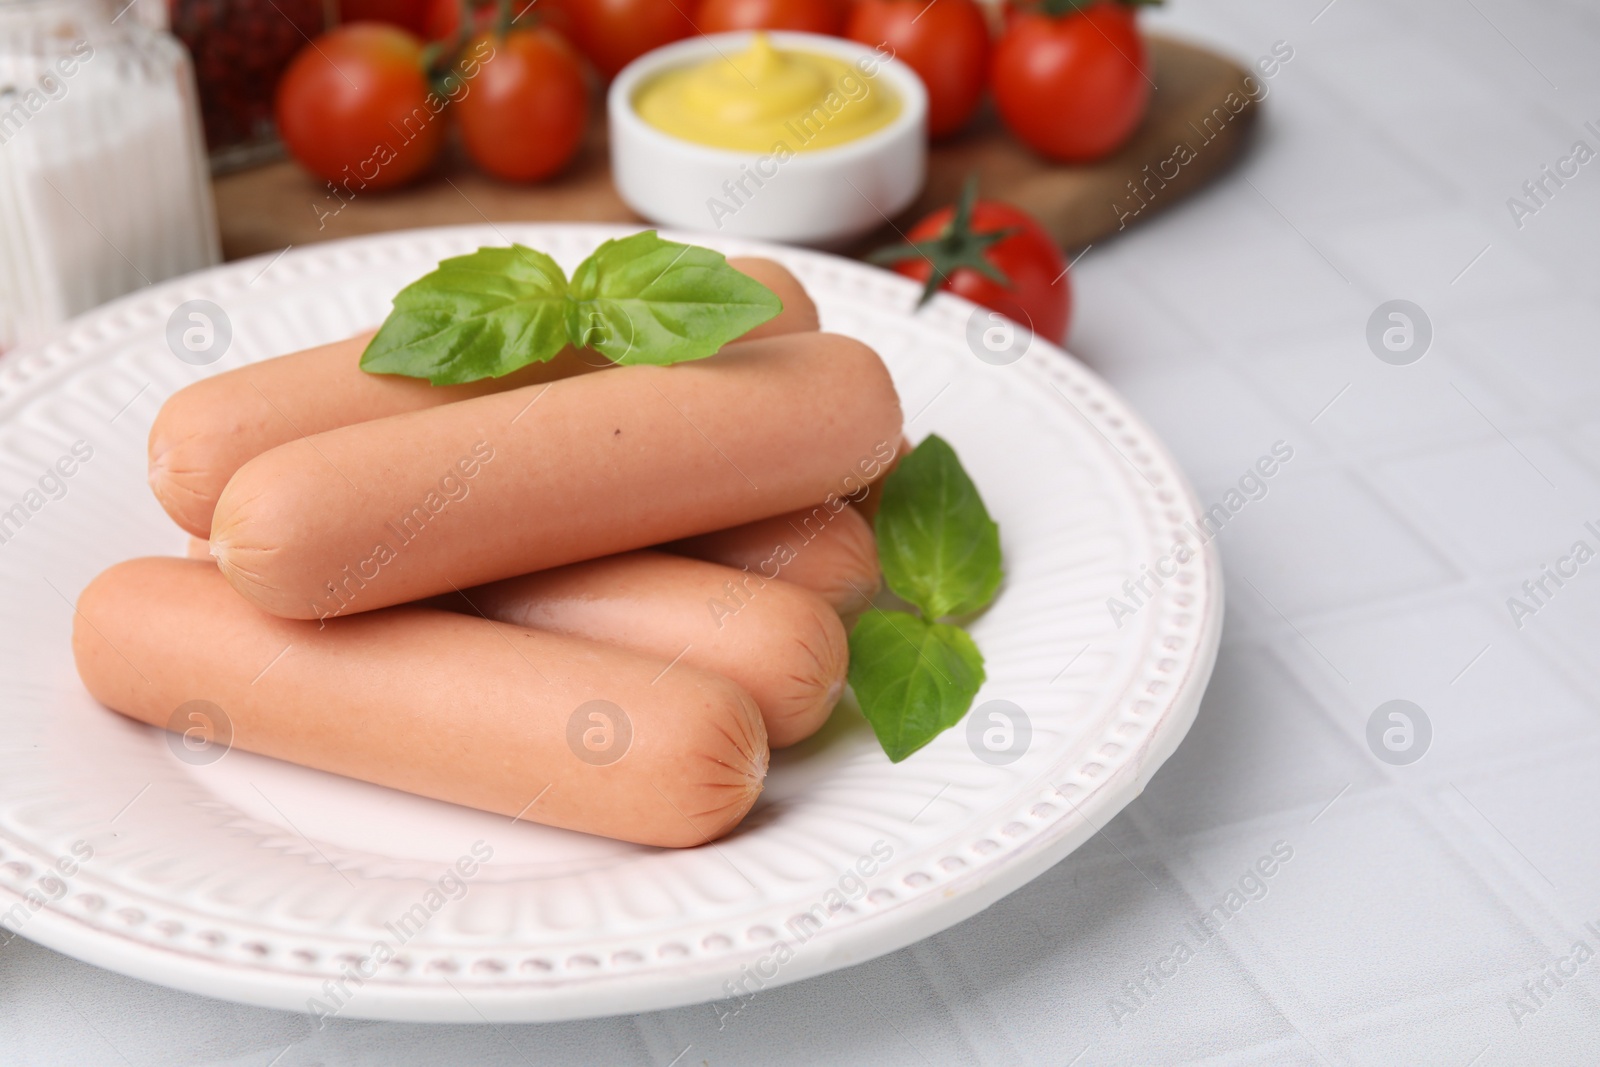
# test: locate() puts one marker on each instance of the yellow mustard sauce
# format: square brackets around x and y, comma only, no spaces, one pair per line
[768,99]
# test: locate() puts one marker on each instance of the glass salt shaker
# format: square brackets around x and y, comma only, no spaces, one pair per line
[103,179]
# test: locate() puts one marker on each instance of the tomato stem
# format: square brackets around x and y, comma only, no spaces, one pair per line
[956,248]
[439,57]
[1062,8]
[464,29]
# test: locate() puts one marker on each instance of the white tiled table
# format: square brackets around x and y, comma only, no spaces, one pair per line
[1418,898]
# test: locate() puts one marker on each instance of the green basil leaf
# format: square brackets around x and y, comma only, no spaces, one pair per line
[640,299]
[477,316]
[939,547]
[913,679]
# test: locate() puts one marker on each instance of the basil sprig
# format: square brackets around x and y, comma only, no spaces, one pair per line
[637,299]
[915,676]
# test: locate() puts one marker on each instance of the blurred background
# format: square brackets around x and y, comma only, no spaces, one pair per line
[221,129]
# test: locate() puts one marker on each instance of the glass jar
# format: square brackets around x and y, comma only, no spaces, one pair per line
[103,180]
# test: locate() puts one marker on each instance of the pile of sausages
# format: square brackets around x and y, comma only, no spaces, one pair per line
[584,595]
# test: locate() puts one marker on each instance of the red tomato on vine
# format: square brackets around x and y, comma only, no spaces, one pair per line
[613,33]
[945,41]
[993,254]
[1071,77]
[358,108]
[523,115]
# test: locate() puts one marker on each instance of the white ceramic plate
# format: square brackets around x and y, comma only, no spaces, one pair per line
[268,883]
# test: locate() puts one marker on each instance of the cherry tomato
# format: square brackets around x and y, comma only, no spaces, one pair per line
[407,14]
[806,16]
[945,41]
[961,241]
[613,33]
[354,107]
[1073,88]
[523,115]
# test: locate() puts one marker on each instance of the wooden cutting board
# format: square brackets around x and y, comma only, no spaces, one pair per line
[1199,123]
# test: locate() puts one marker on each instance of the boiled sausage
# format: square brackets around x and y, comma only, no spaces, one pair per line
[832,553]
[400,508]
[207,431]
[529,724]
[782,644]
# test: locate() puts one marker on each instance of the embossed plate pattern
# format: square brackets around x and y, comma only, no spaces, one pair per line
[259,881]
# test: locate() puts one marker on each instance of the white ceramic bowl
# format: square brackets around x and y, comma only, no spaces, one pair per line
[823,197]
